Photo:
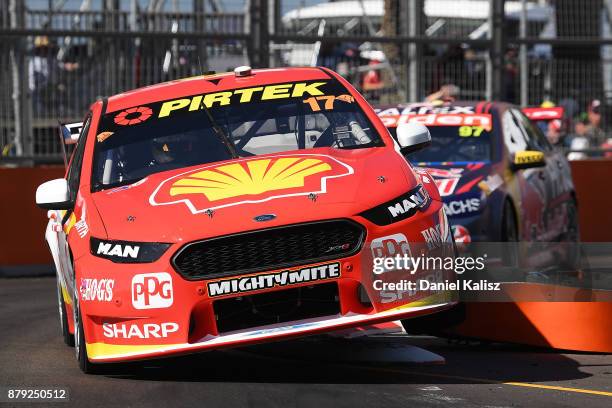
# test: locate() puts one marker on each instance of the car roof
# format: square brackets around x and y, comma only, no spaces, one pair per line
[211,83]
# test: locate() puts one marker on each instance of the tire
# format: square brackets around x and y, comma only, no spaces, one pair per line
[435,324]
[509,233]
[509,228]
[573,228]
[79,340]
[63,318]
[572,261]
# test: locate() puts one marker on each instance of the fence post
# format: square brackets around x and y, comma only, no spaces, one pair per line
[415,17]
[524,64]
[259,55]
[199,8]
[495,71]
[22,102]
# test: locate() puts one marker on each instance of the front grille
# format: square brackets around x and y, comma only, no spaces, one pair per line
[269,249]
[280,306]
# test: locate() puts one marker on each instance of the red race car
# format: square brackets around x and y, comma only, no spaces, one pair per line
[231,209]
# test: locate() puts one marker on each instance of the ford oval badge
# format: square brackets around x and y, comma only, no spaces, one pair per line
[264,217]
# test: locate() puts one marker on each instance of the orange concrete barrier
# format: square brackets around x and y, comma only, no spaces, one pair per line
[580,326]
[22,238]
[592,182]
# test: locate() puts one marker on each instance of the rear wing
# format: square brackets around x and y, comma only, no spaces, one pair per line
[537,113]
[69,135]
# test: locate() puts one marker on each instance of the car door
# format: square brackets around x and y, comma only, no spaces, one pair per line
[527,186]
[553,180]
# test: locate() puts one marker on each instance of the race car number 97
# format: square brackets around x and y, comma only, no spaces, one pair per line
[470,131]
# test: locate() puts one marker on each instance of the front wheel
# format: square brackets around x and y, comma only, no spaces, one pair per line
[509,235]
[79,340]
[63,318]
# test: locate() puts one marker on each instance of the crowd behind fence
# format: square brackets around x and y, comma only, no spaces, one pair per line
[55,62]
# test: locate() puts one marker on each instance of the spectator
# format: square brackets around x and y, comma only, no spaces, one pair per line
[580,140]
[510,75]
[371,80]
[594,131]
[446,93]
[554,134]
[38,70]
[607,145]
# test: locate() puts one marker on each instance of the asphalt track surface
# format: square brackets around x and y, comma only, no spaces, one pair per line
[301,373]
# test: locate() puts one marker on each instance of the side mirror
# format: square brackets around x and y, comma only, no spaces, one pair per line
[412,137]
[527,159]
[53,195]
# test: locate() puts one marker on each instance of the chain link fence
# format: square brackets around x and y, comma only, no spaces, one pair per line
[57,57]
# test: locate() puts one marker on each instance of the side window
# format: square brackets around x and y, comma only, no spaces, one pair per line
[514,136]
[535,136]
[74,171]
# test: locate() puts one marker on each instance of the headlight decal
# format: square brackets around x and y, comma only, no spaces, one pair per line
[400,208]
[127,252]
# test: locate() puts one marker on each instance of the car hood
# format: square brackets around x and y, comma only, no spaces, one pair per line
[228,197]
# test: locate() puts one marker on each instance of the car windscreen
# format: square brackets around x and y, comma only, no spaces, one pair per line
[453,144]
[136,142]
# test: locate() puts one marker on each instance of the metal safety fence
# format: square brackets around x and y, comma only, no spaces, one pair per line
[57,57]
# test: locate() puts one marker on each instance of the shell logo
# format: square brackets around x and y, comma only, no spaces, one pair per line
[250,181]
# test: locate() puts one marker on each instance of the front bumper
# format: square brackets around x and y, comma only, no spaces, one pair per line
[179,315]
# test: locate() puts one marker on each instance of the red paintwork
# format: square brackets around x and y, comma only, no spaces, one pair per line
[106,213]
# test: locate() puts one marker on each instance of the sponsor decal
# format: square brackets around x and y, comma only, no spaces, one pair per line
[139,331]
[79,225]
[446,179]
[81,228]
[426,109]
[390,246]
[400,208]
[315,106]
[133,116]
[272,280]
[462,207]
[97,289]
[244,95]
[119,250]
[433,237]
[250,181]
[103,136]
[408,205]
[528,156]
[152,291]
[438,234]
[447,186]
[479,121]
[461,234]
[544,113]
[444,173]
